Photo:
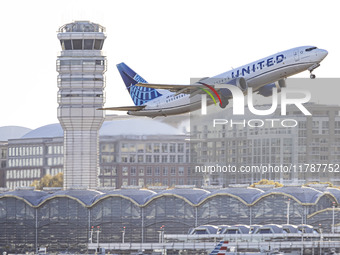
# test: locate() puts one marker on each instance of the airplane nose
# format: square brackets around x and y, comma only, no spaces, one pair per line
[323,53]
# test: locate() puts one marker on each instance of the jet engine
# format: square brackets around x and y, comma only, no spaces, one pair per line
[240,82]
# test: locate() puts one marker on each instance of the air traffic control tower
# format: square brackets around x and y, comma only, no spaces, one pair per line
[81,82]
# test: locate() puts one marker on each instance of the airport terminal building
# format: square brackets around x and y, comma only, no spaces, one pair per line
[67,220]
[132,152]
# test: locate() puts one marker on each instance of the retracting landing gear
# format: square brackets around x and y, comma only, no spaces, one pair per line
[312,76]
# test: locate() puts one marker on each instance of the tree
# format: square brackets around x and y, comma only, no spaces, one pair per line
[267,182]
[49,181]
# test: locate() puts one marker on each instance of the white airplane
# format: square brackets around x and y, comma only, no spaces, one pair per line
[262,76]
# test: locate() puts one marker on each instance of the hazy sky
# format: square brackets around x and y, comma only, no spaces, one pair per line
[164,41]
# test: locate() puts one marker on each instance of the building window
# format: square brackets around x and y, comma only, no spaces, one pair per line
[88,44]
[172,159]
[181,171]
[149,148]
[164,147]
[98,44]
[66,45]
[124,147]
[125,170]
[124,159]
[165,171]
[164,158]
[157,171]
[172,147]
[156,158]
[149,171]
[173,171]
[133,171]
[132,158]
[156,148]
[180,147]
[140,148]
[77,44]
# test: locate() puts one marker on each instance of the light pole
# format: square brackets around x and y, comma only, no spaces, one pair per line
[320,237]
[333,223]
[98,231]
[161,234]
[91,235]
[123,235]
[163,229]
[288,205]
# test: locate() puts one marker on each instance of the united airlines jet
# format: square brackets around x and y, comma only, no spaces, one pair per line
[262,76]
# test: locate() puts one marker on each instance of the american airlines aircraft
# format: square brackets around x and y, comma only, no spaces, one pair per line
[262,76]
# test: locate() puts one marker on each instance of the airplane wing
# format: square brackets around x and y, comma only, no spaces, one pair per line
[186,89]
[124,108]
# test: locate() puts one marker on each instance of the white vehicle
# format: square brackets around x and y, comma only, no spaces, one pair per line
[262,76]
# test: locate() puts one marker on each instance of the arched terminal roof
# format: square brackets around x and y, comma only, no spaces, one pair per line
[246,194]
[193,196]
[137,196]
[303,195]
[335,193]
[32,197]
[85,197]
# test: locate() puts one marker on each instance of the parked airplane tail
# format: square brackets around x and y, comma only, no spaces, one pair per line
[139,95]
[220,249]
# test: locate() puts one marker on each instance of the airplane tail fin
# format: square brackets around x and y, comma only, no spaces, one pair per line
[139,95]
[220,249]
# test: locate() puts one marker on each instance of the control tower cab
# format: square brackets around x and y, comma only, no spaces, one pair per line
[81,82]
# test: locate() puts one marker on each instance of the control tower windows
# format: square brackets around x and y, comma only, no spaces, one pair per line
[98,44]
[66,44]
[77,44]
[88,44]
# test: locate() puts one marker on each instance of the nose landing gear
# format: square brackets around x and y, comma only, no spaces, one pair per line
[312,76]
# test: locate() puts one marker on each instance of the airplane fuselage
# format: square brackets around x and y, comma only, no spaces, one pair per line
[256,74]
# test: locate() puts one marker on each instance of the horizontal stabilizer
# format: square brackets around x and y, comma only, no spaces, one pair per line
[124,108]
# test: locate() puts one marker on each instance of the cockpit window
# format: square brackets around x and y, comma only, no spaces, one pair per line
[312,48]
